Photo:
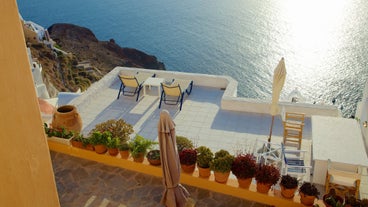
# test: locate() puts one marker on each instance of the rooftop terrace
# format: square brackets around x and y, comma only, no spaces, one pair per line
[212,115]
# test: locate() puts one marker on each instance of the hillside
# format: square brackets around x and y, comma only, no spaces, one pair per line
[86,59]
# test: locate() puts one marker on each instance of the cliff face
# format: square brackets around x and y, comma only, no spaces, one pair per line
[87,59]
[104,55]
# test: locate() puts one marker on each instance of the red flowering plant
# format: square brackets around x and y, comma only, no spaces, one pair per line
[267,174]
[188,156]
[244,166]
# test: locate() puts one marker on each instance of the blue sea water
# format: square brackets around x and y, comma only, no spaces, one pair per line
[324,43]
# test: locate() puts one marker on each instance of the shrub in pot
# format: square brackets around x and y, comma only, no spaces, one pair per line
[204,158]
[188,158]
[138,147]
[61,135]
[57,132]
[288,186]
[364,202]
[183,142]
[221,165]
[77,141]
[87,144]
[308,193]
[124,150]
[244,168]
[331,199]
[99,141]
[266,176]
[112,145]
[153,157]
[351,201]
[118,128]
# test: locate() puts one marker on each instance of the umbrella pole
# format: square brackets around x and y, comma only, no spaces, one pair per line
[269,138]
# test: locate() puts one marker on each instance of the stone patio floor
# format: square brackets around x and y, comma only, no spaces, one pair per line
[87,183]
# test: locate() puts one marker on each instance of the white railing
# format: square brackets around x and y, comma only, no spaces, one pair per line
[230,101]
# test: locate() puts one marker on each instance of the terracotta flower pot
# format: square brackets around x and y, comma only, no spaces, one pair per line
[188,168]
[288,192]
[138,158]
[221,177]
[90,147]
[337,198]
[67,116]
[77,144]
[113,151]
[124,154]
[154,162]
[204,172]
[263,187]
[244,183]
[100,149]
[307,199]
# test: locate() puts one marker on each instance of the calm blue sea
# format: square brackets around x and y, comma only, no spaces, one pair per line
[324,43]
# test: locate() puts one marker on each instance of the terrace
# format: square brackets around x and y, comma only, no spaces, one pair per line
[211,116]
[29,176]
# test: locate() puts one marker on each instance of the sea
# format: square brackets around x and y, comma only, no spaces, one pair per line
[324,42]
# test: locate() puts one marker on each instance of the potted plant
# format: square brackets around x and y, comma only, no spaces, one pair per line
[188,158]
[87,144]
[118,128]
[153,157]
[183,142]
[138,147]
[244,168]
[351,201]
[99,141]
[266,176]
[308,193]
[124,150]
[288,186]
[204,159]
[60,135]
[112,145]
[331,199]
[77,141]
[221,165]
[364,202]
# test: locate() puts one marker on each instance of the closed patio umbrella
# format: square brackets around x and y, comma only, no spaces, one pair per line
[277,85]
[174,195]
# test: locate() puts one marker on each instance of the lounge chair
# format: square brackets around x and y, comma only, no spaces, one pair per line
[267,152]
[345,180]
[132,84]
[294,163]
[173,93]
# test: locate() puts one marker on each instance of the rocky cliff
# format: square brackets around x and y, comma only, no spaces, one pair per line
[102,54]
[85,59]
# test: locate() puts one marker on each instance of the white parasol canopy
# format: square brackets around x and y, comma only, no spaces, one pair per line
[277,85]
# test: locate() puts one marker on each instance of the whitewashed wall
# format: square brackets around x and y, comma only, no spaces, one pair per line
[230,101]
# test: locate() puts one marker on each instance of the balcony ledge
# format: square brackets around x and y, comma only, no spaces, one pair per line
[273,198]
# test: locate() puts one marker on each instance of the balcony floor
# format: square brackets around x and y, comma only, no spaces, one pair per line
[201,118]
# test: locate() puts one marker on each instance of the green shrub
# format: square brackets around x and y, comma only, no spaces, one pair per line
[204,157]
[183,142]
[112,142]
[118,128]
[222,162]
[140,145]
[60,132]
[98,138]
